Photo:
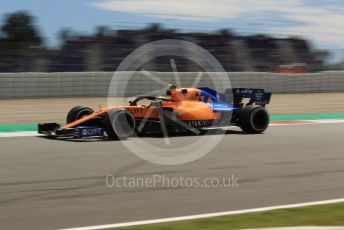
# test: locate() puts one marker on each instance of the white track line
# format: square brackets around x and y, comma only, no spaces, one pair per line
[19,134]
[276,123]
[328,121]
[208,215]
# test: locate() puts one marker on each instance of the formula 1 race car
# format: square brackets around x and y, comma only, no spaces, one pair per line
[182,109]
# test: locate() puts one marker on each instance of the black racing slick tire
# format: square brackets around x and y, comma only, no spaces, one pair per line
[78,112]
[119,124]
[254,119]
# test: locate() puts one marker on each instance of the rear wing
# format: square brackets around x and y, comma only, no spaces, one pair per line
[255,96]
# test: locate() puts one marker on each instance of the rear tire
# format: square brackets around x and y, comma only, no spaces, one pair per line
[119,124]
[77,113]
[254,119]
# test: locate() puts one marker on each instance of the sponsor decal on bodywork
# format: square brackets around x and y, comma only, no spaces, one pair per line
[91,132]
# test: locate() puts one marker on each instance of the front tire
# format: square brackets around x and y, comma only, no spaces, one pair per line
[254,119]
[77,113]
[119,124]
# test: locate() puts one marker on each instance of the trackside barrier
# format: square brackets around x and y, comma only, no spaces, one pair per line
[96,84]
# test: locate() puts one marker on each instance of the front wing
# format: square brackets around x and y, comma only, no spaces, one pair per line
[55,130]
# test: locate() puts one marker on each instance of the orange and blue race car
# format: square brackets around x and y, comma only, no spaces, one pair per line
[181,109]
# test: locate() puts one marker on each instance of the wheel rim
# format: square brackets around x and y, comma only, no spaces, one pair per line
[123,124]
[260,120]
[83,113]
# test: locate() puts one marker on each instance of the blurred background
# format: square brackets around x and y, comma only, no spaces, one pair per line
[55,55]
[82,36]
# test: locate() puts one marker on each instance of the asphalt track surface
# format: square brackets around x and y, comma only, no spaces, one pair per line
[50,184]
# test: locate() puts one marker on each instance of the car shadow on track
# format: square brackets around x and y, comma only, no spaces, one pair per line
[188,133]
[152,135]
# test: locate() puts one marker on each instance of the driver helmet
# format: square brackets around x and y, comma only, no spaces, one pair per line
[172,86]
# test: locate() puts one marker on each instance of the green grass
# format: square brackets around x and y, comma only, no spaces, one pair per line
[17,128]
[20,127]
[319,215]
[307,116]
